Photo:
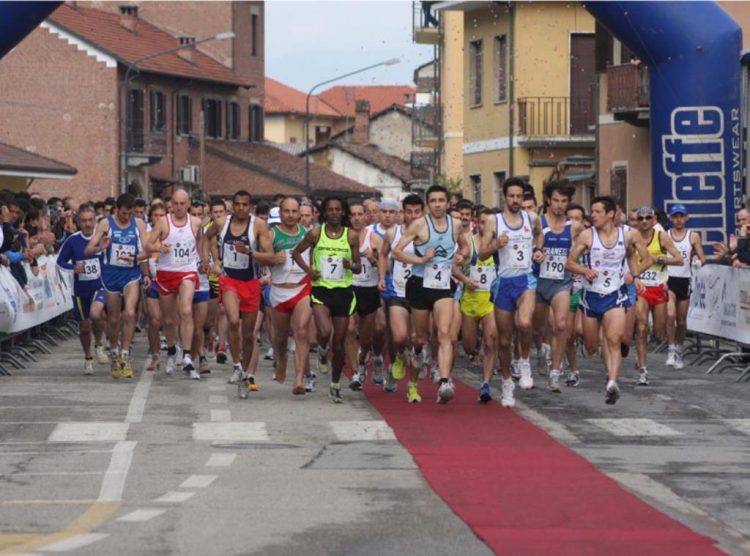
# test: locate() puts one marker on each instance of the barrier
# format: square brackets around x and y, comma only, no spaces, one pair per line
[720,303]
[46,296]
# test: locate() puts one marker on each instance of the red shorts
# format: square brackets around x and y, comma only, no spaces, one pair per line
[284,300]
[169,282]
[655,295]
[247,290]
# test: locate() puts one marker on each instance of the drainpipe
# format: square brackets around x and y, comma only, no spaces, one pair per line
[511,88]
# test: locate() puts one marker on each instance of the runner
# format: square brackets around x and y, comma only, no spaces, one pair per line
[119,237]
[517,238]
[157,211]
[654,296]
[607,247]
[88,294]
[201,297]
[430,289]
[217,318]
[393,276]
[176,238]
[575,214]
[335,255]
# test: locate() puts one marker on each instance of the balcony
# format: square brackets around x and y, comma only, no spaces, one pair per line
[145,147]
[556,121]
[628,92]
[425,23]
[425,125]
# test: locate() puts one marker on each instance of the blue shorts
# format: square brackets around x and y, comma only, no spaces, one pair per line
[547,289]
[266,295]
[632,297]
[595,305]
[459,292]
[82,304]
[115,281]
[390,291]
[201,296]
[153,291]
[509,290]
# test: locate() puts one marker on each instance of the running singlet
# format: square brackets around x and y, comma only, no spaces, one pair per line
[656,274]
[556,250]
[289,272]
[608,263]
[236,265]
[125,242]
[482,272]
[368,276]
[183,248]
[328,260]
[400,272]
[436,273]
[515,257]
[85,283]
[686,252]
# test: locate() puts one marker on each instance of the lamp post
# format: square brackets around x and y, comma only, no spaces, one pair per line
[226,35]
[390,62]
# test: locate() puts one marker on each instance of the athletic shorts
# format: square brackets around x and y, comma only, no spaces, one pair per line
[390,291]
[509,290]
[248,292]
[284,300]
[476,304]
[341,302]
[201,296]
[82,304]
[213,282]
[655,295]
[398,302]
[169,282]
[632,295]
[368,300]
[153,290]
[458,294]
[424,299]
[575,300]
[680,287]
[547,289]
[115,281]
[596,305]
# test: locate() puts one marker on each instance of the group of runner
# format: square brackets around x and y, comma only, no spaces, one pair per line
[389,287]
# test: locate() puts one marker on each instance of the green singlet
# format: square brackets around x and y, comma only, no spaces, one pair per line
[328,260]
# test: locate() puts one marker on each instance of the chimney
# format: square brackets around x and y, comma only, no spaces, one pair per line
[129,17]
[186,53]
[361,134]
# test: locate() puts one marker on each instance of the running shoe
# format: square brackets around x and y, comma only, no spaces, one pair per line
[525,382]
[613,393]
[642,377]
[251,386]
[203,366]
[515,370]
[114,367]
[334,393]
[193,374]
[377,369]
[412,393]
[126,366]
[101,355]
[434,372]
[187,363]
[446,392]
[507,399]
[358,378]
[178,358]
[221,355]
[310,382]
[554,381]
[574,379]
[236,374]
[269,355]
[390,382]
[670,357]
[88,367]
[678,361]
[485,395]
[162,343]
[154,362]
[171,364]
[323,365]
[398,369]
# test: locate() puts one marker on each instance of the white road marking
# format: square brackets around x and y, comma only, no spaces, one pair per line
[117,472]
[355,431]
[741,425]
[221,415]
[231,432]
[556,430]
[175,496]
[634,427]
[140,515]
[138,400]
[58,452]
[663,397]
[89,432]
[198,481]
[51,473]
[218,398]
[217,387]
[74,542]
[221,460]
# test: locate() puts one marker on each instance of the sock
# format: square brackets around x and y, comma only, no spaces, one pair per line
[124,353]
[443,380]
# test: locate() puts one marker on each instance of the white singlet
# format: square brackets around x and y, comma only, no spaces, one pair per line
[515,257]
[183,250]
[608,262]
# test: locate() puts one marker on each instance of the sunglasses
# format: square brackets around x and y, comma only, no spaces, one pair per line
[642,218]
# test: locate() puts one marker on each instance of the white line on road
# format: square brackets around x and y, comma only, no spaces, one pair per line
[117,472]
[198,481]
[218,398]
[95,431]
[50,473]
[355,431]
[140,515]
[175,496]
[221,460]
[138,400]
[55,453]
[634,427]
[558,431]
[221,415]
[741,425]
[663,397]
[253,431]
[74,542]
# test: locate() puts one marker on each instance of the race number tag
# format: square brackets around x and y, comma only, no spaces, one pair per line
[553,267]
[437,276]
[521,256]
[651,277]
[234,259]
[91,270]
[332,268]
[119,251]
[483,276]
[181,255]
[605,282]
[401,273]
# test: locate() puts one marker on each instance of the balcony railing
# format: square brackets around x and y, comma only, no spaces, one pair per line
[426,124]
[147,142]
[555,116]
[627,88]
[423,160]
[425,23]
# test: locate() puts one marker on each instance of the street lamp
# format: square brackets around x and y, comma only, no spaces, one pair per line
[226,35]
[391,62]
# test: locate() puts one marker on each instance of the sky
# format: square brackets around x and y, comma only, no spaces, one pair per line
[312,41]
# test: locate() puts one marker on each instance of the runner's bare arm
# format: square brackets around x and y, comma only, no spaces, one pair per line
[383,258]
[355,264]
[695,241]
[464,246]
[536,224]
[265,254]
[143,254]
[154,236]
[308,242]
[415,231]
[674,258]
[634,241]
[98,242]
[581,244]
[489,243]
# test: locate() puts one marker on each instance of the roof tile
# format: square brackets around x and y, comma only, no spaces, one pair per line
[283,99]
[343,97]
[15,159]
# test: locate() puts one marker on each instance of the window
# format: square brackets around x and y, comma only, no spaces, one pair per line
[499,198]
[158,116]
[233,120]
[212,117]
[501,69]
[475,73]
[322,134]
[135,120]
[254,34]
[476,186]
[184,115]
[256,123]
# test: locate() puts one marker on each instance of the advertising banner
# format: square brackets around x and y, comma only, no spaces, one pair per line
[720,303]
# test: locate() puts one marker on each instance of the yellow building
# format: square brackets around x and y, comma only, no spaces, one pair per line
[527,93]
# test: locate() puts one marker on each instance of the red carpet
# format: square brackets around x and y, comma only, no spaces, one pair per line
[520,490]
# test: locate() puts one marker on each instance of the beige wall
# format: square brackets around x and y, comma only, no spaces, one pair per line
[282,128]
[452,92]
[392,134]
[355,169]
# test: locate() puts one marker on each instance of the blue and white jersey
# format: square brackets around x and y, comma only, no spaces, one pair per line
[436,273]
[556,250]
[88,282]
[514,259]
[125,242]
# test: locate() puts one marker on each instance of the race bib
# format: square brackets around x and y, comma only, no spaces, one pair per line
[401,273]
[437,276]
[553,267]
[605,282]
[119,251]
[651,277]
[332,268]
[181,255]
[368,274]
[483,276]
[521,258]
[234,259]
[91,270]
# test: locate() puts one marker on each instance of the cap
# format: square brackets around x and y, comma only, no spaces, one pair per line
[678,209]
[274,216]
[389,204]
[644,211]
